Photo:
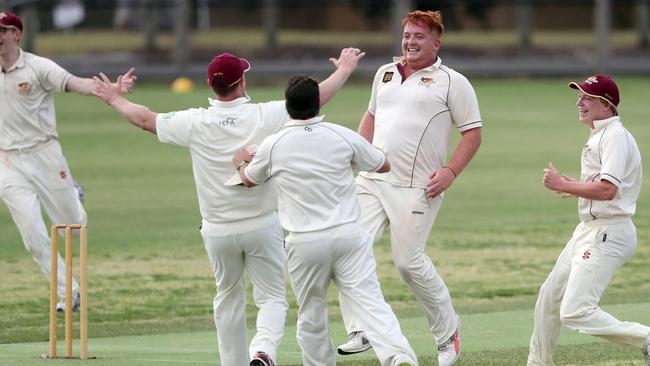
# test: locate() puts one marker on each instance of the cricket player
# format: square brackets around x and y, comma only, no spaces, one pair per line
[34,174]
[605,238]
[415,103]
[240,227]
[310,161]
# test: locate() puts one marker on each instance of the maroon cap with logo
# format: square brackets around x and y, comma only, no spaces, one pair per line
[227,67]
[10,20]
[599,86]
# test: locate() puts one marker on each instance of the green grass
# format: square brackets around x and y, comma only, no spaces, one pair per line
[494,242]
[497,338]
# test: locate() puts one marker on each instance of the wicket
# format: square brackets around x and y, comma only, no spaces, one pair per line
[83,289]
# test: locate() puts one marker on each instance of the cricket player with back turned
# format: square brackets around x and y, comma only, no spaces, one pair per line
[311,161]
[240,227]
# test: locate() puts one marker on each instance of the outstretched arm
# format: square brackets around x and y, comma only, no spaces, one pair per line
[86,86]
[441,179]
[345,65]
[136,114]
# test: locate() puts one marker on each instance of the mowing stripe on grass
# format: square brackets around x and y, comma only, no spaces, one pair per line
[481,332]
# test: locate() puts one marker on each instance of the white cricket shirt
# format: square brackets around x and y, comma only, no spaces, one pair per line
[27,114]
[414,119]
[310,162]
[611,154]
[212,136]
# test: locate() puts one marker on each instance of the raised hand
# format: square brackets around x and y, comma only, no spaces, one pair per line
[105,89]
[128,81]
[349,59]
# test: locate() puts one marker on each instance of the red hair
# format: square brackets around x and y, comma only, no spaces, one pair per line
[430,19]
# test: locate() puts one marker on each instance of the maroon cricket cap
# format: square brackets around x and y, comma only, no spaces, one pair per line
[228,67]
[600,86]
[10,20]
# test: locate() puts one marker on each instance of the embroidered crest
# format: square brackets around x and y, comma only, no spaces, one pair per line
[586,149]
[591,80]
[388,76]
[426,82]
[586,254]
[24,87]
[63,174]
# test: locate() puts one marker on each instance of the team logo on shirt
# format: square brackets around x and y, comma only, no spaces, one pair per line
[168,115]
[24,87]
[63,174]
[388,76]
[426,82]
[586,150]
[228,122]
[586,254]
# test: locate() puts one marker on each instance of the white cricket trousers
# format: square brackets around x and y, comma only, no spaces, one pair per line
[254,246]
[342,254]
[410,216]
[572,291]
[37,177]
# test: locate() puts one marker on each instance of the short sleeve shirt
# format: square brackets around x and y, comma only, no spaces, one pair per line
[414,118]
[310,162]
[212,136]
[611,154]
[27,114]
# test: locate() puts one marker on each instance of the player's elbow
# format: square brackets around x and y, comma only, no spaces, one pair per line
[244,180]
[384,168]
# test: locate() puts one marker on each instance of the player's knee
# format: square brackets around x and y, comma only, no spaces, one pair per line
[572,316]
[409,267]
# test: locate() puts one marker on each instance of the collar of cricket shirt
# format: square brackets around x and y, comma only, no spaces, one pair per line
[436,65]
[305,122]
[600,124]
[229,104]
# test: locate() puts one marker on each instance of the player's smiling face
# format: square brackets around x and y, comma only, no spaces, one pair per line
[592,108]
[9,38]
[420,45]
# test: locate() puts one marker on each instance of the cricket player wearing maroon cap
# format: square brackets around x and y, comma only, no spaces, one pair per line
[605,238]
[240,227]
[34,174]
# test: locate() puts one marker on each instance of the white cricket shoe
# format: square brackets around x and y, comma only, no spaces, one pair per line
[449,352]
[646,351]
[357,343]
[60,306]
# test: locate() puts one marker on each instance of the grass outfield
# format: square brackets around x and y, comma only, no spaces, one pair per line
[494,242]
